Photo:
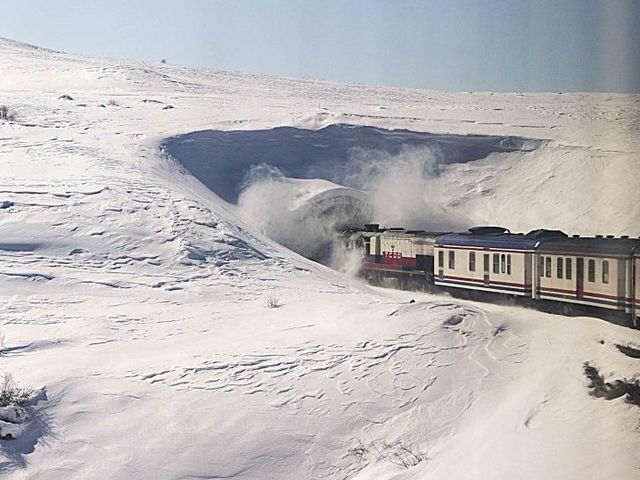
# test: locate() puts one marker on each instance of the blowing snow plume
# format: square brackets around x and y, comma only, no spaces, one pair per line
[305,214]
[302,214]
[399,188]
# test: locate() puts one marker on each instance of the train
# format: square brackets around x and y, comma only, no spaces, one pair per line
[544,269]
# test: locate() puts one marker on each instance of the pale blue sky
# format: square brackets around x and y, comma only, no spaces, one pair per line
[500,45]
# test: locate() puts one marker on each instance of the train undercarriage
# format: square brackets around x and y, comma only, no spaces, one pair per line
[421,281]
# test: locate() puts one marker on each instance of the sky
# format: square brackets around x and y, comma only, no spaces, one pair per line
[459,45]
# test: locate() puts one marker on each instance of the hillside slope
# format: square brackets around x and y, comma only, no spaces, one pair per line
[132,297]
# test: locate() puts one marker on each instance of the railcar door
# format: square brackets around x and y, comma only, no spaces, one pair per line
[580,277]
[485,264]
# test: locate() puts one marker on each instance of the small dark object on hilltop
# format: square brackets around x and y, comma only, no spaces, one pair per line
[65,97]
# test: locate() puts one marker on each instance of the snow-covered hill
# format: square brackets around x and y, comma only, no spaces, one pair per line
[134,297]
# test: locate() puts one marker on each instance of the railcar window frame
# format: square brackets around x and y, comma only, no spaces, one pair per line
[568,270]
[560,267]
[591,270]
[605,271]
[503,263]
[541,266]
[441,258]
[496,263]
[509,264]
[472,261]
[547,267]
[452,259]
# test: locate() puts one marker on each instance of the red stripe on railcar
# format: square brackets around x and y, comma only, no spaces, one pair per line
[384,267]
[481,281]
[585,294]
[389,258]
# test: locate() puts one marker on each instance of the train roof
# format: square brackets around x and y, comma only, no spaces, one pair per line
[498,238]
[592,246]
[394,232]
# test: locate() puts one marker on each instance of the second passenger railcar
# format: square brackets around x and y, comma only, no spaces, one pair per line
[598,272]
[489,259]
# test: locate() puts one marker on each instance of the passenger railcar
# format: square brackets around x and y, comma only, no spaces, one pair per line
[489,259]
[545,268]
[598,272]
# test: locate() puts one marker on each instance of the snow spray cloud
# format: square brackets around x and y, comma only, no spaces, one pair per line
[293,213]
[399,193]
[401,188]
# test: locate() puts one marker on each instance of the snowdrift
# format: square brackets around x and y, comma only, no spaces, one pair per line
[426,176]
[378,175]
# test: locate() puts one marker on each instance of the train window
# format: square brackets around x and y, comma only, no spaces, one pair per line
[503,263]
[496,263]
[568,269]
[541,266]
[508,264]
[560,268]
[441,259]
[452,260]
[605,271]
[547,267]
[592,271]
[472,261]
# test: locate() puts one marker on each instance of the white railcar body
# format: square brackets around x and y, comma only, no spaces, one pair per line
[544,266]
[598,272]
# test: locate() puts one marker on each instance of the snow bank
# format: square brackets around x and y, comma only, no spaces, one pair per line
[395,168]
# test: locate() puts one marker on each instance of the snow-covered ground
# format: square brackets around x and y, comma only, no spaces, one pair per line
[132,297]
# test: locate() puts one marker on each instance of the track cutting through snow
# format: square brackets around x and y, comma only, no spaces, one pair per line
[298,186]
[222,159]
